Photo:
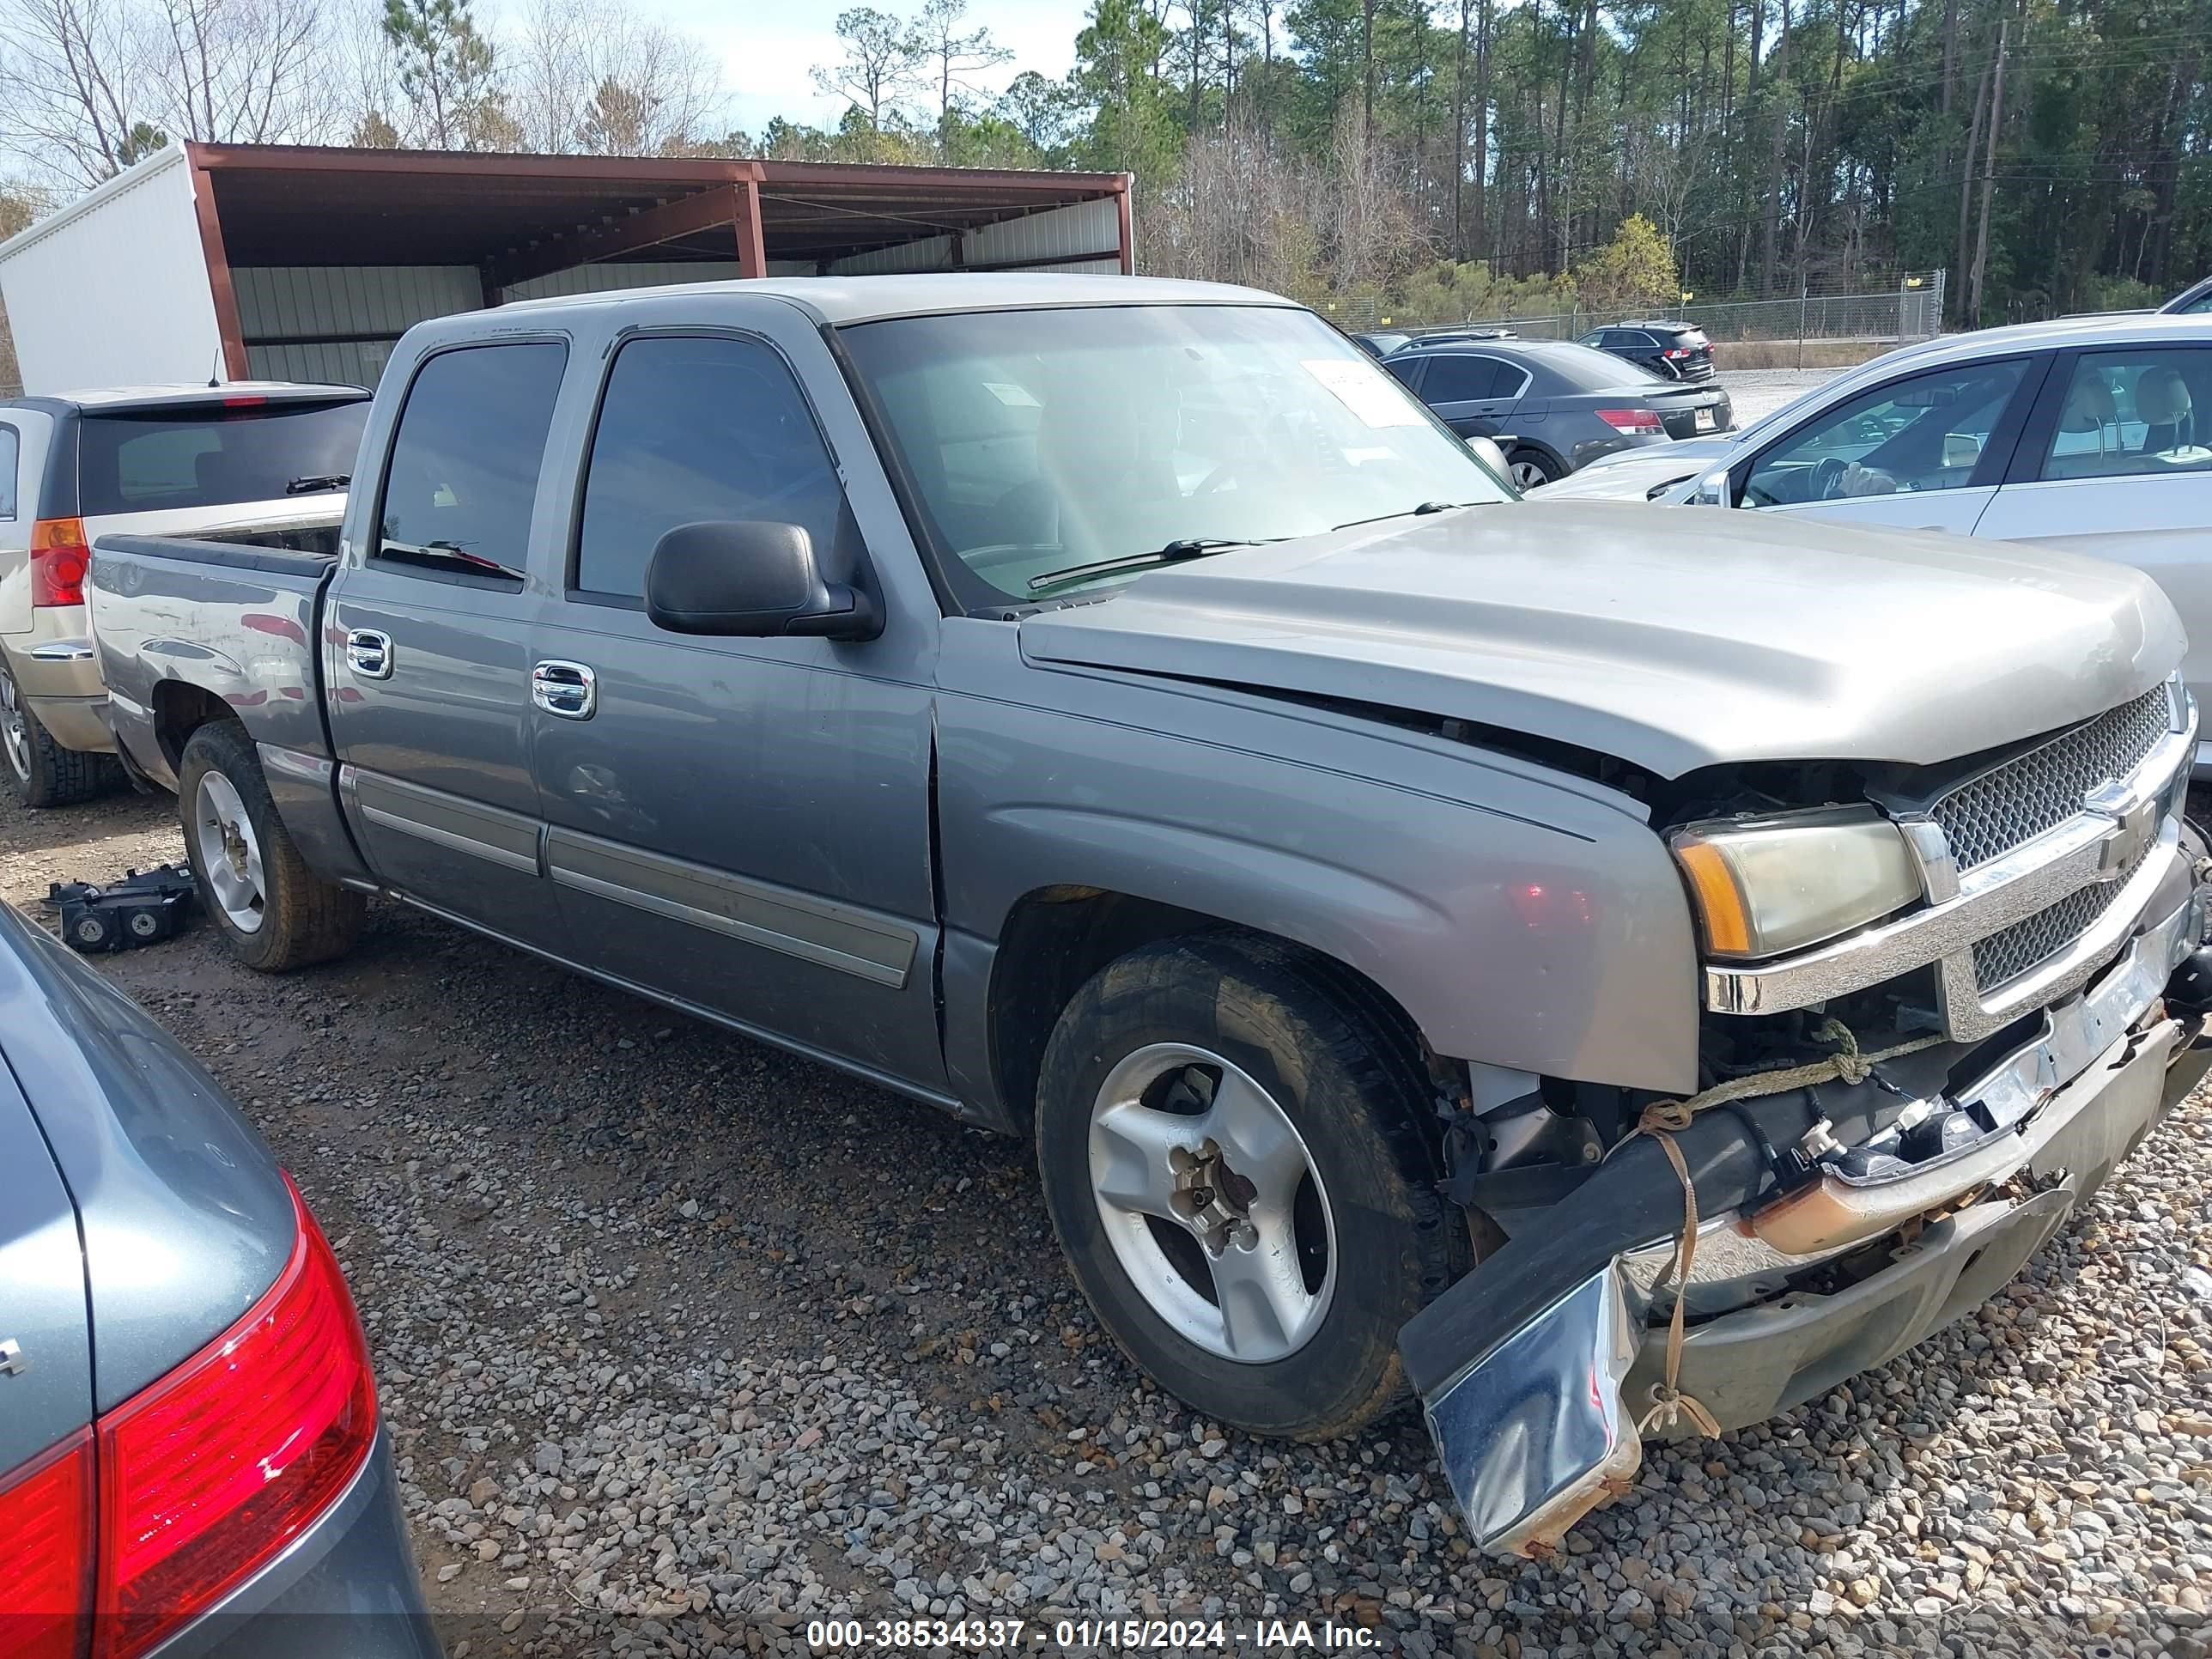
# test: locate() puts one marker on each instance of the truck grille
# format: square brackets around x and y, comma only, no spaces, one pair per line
[2038,791]
[2004,957]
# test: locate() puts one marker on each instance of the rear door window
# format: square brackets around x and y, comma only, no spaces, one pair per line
[2141,412]
[463,476]
[218,454]
[10,458]
[1462,380]
[695,428]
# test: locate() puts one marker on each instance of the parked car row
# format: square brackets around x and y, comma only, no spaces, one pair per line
[1122,713]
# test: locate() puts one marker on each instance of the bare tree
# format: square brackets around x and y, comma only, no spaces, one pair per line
[593,75]
[237,71]
[70,70]
[952,55]
[878,67]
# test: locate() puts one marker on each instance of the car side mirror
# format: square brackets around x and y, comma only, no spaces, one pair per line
[754,581]
[1492,457]
[1960,449]
[1718,487]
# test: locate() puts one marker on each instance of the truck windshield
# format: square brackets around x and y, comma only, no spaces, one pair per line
[214,454]
[1046,441]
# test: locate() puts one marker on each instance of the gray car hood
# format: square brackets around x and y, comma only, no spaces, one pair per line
[1671,639]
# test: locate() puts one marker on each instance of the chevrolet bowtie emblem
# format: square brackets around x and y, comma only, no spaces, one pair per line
[2133,830]
[11,1357]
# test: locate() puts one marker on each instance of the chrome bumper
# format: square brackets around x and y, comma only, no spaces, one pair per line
[1540,1430]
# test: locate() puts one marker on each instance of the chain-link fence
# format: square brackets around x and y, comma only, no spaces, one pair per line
[1912,310]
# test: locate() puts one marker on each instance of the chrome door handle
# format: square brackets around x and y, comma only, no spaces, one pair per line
[368,654]
[567,688]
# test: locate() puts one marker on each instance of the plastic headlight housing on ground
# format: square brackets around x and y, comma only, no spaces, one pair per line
[1763,887]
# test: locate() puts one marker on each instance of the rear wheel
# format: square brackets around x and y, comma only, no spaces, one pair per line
[275,913]
[1531,469]
[39,771]
[1229,1136]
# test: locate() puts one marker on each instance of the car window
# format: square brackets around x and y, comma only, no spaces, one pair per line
[1923,433]
[464,460]
[1407,369]
[2144,411]
[214,454]
[10,448]
[1461,380]
[697,429]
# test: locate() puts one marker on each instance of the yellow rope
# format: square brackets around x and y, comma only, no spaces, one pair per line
[1663,1119]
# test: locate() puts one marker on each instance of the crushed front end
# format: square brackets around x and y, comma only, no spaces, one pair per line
[2043,978]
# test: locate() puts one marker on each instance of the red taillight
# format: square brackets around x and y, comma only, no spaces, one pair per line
[244,403]
[1675,351]
[210,1472]
[1635,421]
[46,1553]
[59,556]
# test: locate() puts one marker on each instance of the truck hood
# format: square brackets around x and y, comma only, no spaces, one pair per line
[1670,640]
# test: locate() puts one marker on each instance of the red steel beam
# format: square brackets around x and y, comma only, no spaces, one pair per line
[221,288]
[753,247]
[687,215]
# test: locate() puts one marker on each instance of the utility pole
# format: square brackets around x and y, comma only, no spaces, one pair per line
[1989,179]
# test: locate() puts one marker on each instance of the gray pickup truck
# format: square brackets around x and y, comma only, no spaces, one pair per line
[1117,713]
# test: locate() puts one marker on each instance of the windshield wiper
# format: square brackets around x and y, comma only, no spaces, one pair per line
[1421,511]
[1190,547]
[444,555]
[316,483]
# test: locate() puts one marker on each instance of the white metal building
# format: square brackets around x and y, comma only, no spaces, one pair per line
[254,261]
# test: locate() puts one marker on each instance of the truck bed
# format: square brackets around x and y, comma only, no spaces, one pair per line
[178,619]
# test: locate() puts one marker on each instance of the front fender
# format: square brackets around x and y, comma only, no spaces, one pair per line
[1523,919]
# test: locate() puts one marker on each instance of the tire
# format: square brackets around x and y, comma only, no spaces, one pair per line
[40,771]
[274,913]
[1343,1072]
[1531,469]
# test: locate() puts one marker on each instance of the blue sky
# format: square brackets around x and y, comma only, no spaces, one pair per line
[768,49]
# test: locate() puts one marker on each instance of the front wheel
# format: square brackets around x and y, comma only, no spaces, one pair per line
[1531,469]
[1229,1136]
[275,914]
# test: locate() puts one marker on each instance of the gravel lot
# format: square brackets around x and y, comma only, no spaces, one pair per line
[1757,393]
[684,1342]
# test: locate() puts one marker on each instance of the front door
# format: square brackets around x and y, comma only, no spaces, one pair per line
[427,650]
[742,824]
[1921,452]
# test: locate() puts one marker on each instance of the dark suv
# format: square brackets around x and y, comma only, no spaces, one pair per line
[1674,349]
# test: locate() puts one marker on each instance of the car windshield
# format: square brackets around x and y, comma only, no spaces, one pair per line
[1040,442]
[212,454]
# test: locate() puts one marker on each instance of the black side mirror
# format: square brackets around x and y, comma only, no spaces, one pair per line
[752,579]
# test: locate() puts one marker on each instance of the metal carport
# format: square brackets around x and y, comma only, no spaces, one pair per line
[256,261]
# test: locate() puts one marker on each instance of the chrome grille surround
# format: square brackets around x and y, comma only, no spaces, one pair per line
[2031,794]
[2060,903]
[2004,957]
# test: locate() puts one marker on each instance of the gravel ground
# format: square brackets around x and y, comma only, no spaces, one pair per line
[1757,393]
[684,1342]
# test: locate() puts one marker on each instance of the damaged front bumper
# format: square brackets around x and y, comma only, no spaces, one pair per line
[1533,1395]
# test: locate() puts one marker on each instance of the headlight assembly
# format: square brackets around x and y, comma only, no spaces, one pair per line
[1763,887]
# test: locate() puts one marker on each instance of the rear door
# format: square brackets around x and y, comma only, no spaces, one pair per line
[1472,393]
[744,825]
[426,647]
[1923,452]
[25,436]
[2118,463]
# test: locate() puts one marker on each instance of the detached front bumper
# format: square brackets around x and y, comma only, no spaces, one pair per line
[1533,1395]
